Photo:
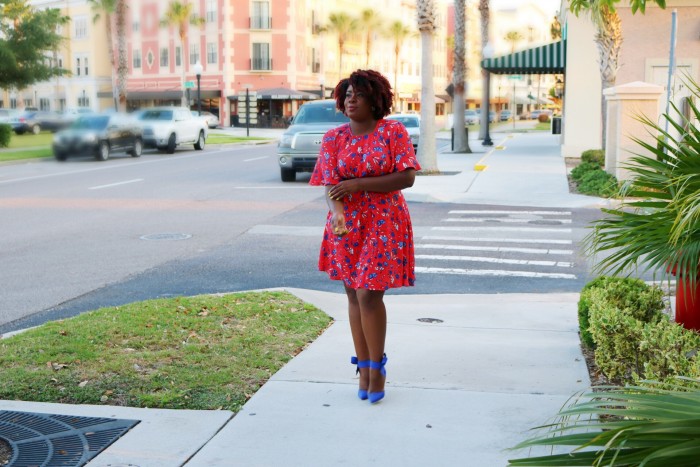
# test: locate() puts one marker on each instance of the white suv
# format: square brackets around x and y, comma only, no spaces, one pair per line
[167,127]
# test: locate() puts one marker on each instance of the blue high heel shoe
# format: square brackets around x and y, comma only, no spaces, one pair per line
[375,397]
[361,393]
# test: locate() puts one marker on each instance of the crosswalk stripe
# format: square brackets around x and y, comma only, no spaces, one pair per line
[503,220]
[540,251]
[483,259]
[501,229]
[497,240]
[536,213]
[492,272]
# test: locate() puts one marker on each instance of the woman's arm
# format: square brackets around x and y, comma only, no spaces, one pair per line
[381,184]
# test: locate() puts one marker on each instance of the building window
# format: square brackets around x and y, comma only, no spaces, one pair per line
[85,66]
[261,16]
[150,59]
[164,56]
[194,53]
[178,56]
[315,61]
[13,102]
[137,59]
[211,11]
[261,57]
[83,100]
[211,52]
[44,104]
[28,103]
[80,31]
[135,26]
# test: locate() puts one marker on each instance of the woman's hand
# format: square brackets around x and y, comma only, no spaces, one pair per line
[338,224]
[344,188]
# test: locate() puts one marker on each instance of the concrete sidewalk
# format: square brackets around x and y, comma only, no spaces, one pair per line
[459,391]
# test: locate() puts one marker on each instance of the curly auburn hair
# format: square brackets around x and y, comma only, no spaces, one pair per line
[373,84]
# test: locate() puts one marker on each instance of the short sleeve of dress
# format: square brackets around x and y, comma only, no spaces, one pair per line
[404,157]
[326,168]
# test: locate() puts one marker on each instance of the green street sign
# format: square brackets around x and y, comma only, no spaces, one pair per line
[189,84]
[515,77]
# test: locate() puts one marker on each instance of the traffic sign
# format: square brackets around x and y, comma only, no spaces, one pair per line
[189,84]
[515,77]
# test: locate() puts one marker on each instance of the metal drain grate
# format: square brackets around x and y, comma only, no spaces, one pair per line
[48,440]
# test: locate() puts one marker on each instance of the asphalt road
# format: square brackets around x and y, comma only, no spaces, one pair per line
[83,234]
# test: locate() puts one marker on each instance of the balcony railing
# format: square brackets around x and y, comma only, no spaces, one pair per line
[260,22]
[261,64]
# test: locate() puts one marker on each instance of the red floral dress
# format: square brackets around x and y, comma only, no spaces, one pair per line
[377,251]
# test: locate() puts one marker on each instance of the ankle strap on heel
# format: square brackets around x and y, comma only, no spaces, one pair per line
[379,365]
[360,363]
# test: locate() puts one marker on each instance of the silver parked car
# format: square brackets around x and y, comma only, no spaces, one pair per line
[298,147]
[412,124]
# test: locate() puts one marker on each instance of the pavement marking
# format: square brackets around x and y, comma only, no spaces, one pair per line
[99,187]
[503,220]
[501,229]
[274,187]
[493,272]
[255,159]
[540,251]
[535,213]
[497,240]
[485,259]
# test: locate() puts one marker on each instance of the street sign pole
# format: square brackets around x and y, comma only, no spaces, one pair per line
[247,112]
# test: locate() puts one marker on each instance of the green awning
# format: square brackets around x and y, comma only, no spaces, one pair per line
[546,59]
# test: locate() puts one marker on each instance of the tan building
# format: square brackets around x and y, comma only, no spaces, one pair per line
[644,58]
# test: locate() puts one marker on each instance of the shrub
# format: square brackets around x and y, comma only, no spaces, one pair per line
[5,134]
[543,118]
[598,183]
[597,156]
[668,350]
[643,303]
[582,169]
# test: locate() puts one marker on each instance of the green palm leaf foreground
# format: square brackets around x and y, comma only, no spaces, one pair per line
[634,426]
[657,226]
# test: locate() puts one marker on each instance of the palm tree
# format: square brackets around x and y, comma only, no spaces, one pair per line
[122,65]
[608,39]
[398,32]
[485,104]
[343,25]
[180,15]
[107,8]
[513,37]
[459,89]
[426,146]
[370,21]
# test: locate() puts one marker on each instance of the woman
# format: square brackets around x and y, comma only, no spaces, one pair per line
[368,240]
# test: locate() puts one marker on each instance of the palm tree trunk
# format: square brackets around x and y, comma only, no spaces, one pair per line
[427,156]
[461,144]
[183,100]
[397,50]
[341,51]
[609,42]
[122,66]
[112,62]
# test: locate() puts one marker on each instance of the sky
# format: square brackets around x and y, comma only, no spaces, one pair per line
[551,6]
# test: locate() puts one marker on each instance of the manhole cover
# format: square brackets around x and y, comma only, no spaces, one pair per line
[429,320]
[166,236]
[50,440]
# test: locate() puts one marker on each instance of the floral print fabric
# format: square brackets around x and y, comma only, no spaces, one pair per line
[377,251]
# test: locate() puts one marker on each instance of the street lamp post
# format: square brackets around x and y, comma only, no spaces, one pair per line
[486,109]
[83,103]
[198,71]
[322,82]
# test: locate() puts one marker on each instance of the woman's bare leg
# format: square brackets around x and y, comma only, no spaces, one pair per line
[358,336]
[373,320]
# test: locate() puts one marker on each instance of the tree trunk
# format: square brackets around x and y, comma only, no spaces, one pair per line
[609,42]
[397,50]
[427,156]
[112,62]
[122,66]
[461,143]
[183,100]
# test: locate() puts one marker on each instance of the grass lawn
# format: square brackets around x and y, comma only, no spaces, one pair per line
[219,138]
[204,352]
[29,140]
[546,126]
[10,155]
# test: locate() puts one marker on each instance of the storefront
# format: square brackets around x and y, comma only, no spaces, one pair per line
[273,107]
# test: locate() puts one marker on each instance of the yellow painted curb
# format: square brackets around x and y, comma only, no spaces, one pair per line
[480,167]
[500,147]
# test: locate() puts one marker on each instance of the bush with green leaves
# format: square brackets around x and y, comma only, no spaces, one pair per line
[633,426]
[582,169]
[598,183]
[5,135]
[596,156]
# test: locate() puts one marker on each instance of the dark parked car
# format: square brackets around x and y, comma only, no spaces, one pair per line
[37,120]
[99,135]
